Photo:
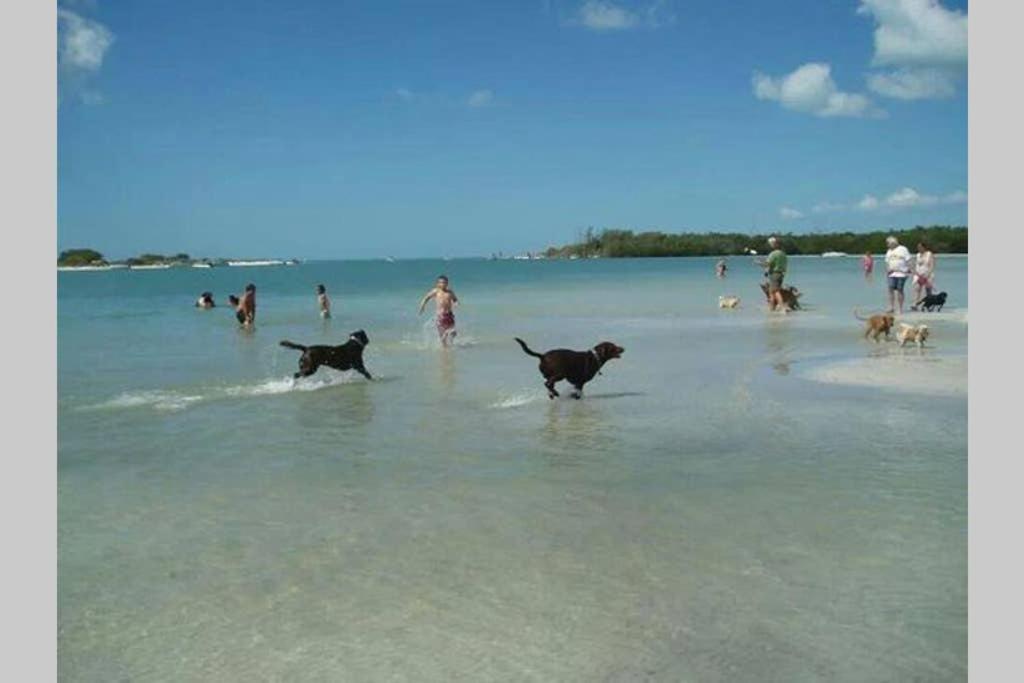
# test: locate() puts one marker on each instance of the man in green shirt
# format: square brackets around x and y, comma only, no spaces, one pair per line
[776,269]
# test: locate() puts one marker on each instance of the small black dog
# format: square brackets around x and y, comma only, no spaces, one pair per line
[930,302]
[347,356]
[578,367]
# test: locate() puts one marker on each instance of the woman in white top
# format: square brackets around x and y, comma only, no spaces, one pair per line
[924,271]
[897,267]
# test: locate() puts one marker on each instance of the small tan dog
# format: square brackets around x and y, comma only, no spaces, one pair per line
[728,301]
[912,334]
[877,325]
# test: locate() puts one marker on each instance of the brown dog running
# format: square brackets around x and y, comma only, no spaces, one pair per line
[347,356]
[877,325]
[577,367]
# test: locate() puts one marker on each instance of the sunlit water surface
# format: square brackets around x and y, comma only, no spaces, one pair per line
[705,513]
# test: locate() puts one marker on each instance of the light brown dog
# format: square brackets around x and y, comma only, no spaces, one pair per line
[912,334]
[728,301]
[877,325]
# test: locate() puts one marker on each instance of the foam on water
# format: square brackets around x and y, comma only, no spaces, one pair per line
[427,339]
[518,399]
[172,400]
[158,399]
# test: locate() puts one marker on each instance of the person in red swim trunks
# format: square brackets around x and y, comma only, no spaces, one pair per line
[446,300]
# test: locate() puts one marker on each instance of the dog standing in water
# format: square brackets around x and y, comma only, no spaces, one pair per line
[578,367]
[877,325]
[728,301]
[912,334]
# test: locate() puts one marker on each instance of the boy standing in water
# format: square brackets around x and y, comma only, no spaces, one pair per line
[446,300]
[323,301]
[247,306]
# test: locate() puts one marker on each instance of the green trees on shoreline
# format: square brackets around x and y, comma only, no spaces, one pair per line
[81,257]
[613,243]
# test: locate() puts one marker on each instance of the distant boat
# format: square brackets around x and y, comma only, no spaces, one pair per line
[292,262]
[752,252]
[265,262]
[201,264]
[833,254]
[390,259]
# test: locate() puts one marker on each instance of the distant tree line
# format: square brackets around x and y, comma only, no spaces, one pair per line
[81,257]
[151,259]
[613,243]
[91,257]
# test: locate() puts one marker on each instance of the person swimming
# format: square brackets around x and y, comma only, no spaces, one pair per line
[205,300]
[239,313]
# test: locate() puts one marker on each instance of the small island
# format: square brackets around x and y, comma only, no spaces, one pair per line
[90,259]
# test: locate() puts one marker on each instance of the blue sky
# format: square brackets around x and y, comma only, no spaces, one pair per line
[364,129]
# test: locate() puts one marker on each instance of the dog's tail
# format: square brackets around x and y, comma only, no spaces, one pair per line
[858,316]
[527,348]
[292,345]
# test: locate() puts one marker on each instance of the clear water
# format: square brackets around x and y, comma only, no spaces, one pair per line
[706,513]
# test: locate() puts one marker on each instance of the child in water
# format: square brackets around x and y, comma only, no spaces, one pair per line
[236,304]
[446,300]
[868,263]
[323,302]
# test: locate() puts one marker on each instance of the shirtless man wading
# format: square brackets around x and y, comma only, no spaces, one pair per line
[446,300]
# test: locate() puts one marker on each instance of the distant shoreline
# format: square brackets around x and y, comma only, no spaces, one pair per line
[615,243]
[278,262]
[233,263]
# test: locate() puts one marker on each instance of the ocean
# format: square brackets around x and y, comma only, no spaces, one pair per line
[743,496]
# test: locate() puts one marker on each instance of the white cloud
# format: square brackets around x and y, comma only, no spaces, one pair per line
[916,32]
[605,15]
[83,43]
[480,98]
[790,213]
[868,203]
[903,198]
[923,42]
[810,89]
[91,97]
[913,83]
[908,196]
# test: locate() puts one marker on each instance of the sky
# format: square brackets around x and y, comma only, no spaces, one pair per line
[338,129]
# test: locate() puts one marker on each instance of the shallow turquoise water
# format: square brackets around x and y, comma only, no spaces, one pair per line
[704,514]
